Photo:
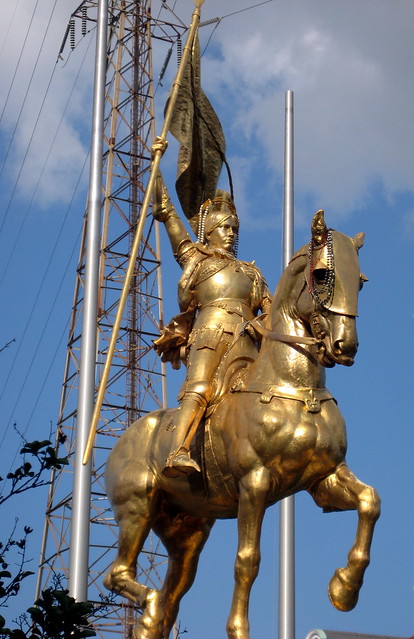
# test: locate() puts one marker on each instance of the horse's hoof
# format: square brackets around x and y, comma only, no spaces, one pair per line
[123,583]
[342,594]
[115,581]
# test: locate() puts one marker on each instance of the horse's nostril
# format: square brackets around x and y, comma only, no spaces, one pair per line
[341,347]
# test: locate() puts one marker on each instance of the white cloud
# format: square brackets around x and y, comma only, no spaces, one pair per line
[47,111]
[349,64]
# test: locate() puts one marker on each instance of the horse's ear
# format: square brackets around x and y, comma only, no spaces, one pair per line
[318,227]
[358,240]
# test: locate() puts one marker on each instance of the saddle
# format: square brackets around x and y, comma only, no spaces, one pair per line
[241,354]
[234,364]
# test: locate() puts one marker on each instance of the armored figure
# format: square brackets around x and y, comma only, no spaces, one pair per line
[216,294]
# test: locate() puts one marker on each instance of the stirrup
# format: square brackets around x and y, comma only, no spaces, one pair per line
[180,463]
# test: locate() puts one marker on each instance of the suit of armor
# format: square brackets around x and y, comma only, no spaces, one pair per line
[216,293]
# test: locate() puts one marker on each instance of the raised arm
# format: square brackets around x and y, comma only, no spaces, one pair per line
[164,211]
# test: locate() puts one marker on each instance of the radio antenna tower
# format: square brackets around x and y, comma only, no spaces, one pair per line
[137,381]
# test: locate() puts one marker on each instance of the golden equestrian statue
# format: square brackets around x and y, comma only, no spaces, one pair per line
[266,425]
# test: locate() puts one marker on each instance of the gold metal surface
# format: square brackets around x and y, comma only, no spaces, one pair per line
[271,428]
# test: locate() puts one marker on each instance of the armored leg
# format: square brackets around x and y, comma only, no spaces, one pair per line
[189,414]
[207,349]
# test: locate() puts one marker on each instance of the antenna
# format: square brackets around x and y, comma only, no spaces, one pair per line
[137,381]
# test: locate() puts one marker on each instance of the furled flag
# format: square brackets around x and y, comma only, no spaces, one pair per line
[197,128]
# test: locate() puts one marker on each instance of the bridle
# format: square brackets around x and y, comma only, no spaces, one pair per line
[280,337]
[294,339]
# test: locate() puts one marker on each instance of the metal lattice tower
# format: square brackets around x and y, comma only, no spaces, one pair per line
[137,380]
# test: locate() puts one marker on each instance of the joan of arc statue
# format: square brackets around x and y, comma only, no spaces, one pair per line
[216,293]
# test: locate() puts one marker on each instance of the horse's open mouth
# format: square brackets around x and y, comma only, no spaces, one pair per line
[328,359]
[345,360]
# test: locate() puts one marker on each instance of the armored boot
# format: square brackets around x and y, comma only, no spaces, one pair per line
[186,421]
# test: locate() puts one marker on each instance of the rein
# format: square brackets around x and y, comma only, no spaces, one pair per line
[280,337]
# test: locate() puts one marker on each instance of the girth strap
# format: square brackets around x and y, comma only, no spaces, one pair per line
[312,398]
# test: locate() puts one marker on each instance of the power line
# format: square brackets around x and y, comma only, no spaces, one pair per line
[218,20]
[9,27]
[37,299]
[7,344]
[253,6]
[20,56]
[51,362]
[51,147]
[31,77]
[19,116]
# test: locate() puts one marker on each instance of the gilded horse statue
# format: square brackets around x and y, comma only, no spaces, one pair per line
[275,431]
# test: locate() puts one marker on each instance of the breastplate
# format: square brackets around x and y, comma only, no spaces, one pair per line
[229,282]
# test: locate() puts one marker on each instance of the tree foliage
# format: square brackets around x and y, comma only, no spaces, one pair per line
[31,474]
[55,615]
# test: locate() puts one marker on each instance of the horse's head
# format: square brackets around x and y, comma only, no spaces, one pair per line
[329,301]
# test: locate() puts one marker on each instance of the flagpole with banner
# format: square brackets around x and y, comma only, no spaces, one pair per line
[162,139]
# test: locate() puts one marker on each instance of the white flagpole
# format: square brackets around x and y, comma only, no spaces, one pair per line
[287,505]
[79,538]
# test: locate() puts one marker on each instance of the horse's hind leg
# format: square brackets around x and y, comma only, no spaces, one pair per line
[184,538]
[135,521]
[343,491]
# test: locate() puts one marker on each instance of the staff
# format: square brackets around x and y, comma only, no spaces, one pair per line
[195,21]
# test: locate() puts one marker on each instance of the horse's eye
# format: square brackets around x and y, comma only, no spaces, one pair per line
[319,275]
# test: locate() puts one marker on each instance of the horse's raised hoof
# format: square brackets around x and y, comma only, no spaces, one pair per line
[342,594]
[123,583]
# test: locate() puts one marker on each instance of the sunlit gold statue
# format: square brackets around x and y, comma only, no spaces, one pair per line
[270,430]
[218,294]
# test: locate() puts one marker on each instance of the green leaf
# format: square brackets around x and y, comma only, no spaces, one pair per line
[5,573]
[34,447]
[36,614]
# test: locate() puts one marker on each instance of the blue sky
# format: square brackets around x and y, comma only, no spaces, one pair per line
[349,64]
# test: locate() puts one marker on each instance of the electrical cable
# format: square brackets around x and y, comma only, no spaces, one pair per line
[28,208]
[9,27]
[20,57]
[51,257]
[253,6]
[31,78]
[35,304]
[18,120]
[49,367]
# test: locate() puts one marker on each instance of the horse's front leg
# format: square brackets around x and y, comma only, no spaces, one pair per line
[343,491]
[254,488]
